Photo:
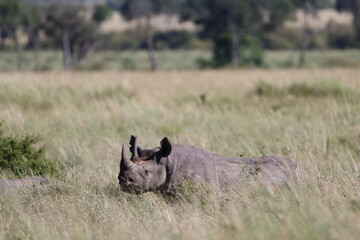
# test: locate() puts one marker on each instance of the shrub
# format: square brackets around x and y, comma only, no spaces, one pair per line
[101,13]
[222,50]
[340,35]
[204,63]
[251,52]
[128,64]
[20,158]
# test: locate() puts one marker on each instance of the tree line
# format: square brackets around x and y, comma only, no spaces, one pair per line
[233,26]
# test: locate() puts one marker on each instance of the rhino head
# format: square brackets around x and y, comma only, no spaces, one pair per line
[145,170]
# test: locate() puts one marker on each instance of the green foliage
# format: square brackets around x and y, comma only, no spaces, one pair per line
[20,158]
[72,18]
[101,13]
[280,10]
[222,50]
[139,8]
[204,63]
[218,16]
[251,52]
[69,21]
[229,22]
[173,40]
[12,17]
[12,14]
[131,9]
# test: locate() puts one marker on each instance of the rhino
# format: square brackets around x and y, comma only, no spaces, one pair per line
[7,185]
[166,168]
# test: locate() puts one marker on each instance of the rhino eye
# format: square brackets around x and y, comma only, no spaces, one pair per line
[131,180]
[146,171]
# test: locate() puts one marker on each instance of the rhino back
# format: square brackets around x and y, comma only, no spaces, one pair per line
[199,164]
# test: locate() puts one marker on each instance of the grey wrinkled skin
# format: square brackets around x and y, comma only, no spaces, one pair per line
[13,184]
[165,169]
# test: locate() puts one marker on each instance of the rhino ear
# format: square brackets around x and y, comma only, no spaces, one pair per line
[165,147]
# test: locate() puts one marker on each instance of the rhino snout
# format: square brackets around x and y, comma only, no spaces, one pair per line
[126,181]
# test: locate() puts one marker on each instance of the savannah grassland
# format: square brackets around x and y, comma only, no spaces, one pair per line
[311,115]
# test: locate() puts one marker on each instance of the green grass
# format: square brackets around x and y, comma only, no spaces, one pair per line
[314,58]
[178,60]
[307,114]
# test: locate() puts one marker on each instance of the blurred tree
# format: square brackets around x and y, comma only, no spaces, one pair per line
[33,17]
[309,7]
[167,7]
[137,9]
[12,15]
[227,22]
[277,12]
[68,24]
[352,6]
[3,36]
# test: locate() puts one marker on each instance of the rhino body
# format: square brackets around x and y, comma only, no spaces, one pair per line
[167,167]
[198,164]
[12,184]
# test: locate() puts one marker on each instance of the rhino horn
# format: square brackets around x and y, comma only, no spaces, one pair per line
[124,161]
[135,152]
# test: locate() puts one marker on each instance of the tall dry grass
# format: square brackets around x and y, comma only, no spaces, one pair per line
[82,118]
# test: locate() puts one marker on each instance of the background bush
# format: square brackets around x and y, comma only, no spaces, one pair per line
[19,157]
[251,52]
[340,36]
